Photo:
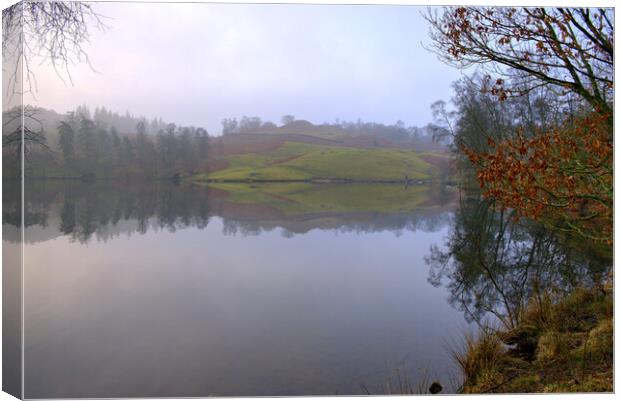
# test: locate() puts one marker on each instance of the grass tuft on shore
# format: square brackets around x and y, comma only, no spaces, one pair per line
[560,345]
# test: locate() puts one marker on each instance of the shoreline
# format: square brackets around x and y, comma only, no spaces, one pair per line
[317,181]
[241,181]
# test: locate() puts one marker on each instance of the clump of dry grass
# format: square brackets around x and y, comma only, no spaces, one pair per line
[478,354]
[600,346]
[552,347]
[561,344]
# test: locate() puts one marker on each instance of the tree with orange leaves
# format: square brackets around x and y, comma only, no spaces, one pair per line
[563,177]
[560,174]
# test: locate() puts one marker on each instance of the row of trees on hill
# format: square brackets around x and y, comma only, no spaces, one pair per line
[395,132]
[252,124]
[246,125]
[125,123]
[81,144]
[89,147]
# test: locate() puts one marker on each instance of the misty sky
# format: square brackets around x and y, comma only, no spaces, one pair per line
[194,64]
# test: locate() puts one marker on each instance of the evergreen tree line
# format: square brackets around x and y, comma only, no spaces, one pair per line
[90,149]
[124,123]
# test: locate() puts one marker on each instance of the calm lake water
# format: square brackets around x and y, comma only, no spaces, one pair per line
[158,290]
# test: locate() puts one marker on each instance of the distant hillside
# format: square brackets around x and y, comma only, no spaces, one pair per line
[304,161]
[358,134]
[104,144]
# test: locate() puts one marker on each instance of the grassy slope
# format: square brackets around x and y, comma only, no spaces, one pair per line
[306,198]
[300,161]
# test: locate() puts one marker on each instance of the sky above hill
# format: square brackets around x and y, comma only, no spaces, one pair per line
[195,64]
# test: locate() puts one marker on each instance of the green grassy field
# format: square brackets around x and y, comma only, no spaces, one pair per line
[302,161]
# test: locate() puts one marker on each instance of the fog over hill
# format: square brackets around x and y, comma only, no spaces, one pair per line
[96,144]
[368,134]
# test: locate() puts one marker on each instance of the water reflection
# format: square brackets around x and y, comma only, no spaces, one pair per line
[493,264]
[169,291]
[267,290]
[103,211]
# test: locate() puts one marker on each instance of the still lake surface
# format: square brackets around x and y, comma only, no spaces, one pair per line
[161,291]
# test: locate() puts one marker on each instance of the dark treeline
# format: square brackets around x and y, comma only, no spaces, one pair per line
[81,145]
[90,147]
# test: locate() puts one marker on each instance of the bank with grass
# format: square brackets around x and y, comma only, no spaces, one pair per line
[561,344]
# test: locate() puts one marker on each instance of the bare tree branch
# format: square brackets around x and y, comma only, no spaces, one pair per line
[53,32]
[567,48]
[30,127]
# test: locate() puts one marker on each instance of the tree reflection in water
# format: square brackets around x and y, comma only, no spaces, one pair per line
[104,210]
[493,264]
